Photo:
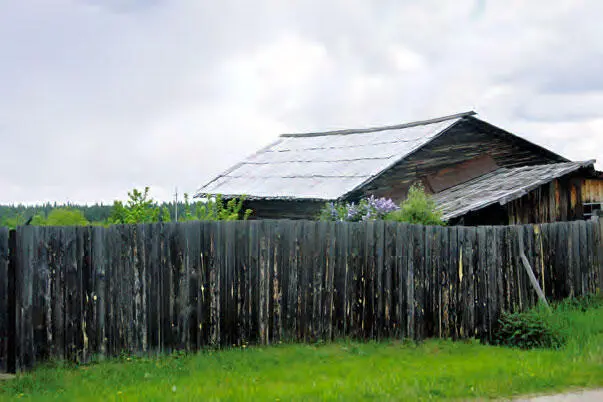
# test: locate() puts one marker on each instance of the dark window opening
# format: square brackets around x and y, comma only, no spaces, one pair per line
[592,209]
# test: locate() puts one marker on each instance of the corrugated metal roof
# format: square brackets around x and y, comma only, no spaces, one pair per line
[325,166]
[500,186]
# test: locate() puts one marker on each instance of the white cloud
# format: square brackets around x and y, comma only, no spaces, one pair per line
[98,96]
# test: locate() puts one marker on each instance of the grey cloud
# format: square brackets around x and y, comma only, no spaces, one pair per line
[106,95]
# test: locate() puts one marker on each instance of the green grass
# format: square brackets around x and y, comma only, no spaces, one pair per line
[340,371]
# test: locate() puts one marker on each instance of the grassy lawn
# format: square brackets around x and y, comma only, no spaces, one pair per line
[341,371]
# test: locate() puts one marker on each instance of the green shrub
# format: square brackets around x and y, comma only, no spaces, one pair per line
[535,328]
[141,208]
[66,217]
[418,208]
[215,209]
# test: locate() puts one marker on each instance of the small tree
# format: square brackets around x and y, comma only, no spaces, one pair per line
[140,208]
[418,208]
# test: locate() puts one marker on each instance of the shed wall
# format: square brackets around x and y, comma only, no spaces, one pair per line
[284,209]
[560,200]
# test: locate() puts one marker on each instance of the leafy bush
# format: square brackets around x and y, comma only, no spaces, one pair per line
[214,209]
[57,217]
[12,216]
[66,217]
[535,328]
[418,208]
[141,208]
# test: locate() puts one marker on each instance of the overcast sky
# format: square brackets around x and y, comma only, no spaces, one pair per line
[100,96]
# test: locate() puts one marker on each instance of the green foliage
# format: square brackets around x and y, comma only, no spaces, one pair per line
[38,220]
[582,303]
[12,216]
[64,217]
[214,209]
[418,208]
[140,208]
[535,328]
[543,328]
[13,221]
[165,214]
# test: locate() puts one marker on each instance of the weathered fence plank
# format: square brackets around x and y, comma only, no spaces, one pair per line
[5,321]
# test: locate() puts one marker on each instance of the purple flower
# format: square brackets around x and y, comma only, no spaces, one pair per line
[385,205]
[352,211]
[333,211]
[367,209]
[381,206]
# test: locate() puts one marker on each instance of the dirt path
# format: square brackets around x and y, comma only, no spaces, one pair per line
[581,396]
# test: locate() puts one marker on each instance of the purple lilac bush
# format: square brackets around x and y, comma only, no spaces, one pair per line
[367,209]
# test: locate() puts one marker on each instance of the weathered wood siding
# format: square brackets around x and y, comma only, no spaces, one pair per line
[284,209]
[560,200]
[592,190]
[556,201]
[466,140]
[151,289]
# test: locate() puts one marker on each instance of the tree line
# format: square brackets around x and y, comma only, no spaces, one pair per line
[140,207]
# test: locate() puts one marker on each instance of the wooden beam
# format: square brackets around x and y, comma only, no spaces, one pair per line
[528,268]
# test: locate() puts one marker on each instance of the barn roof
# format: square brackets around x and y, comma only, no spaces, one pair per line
[500,186]
[327,165]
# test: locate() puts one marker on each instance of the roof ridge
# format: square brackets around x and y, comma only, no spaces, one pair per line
[383,128]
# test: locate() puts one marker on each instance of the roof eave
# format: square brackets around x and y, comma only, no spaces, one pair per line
[200,193]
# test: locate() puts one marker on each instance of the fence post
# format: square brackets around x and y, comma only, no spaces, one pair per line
[4,302]
[11,358]
[600,253]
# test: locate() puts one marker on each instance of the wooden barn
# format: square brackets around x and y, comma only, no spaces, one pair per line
[476,172]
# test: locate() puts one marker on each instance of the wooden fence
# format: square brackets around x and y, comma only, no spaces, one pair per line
[91,291]
[5,311]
